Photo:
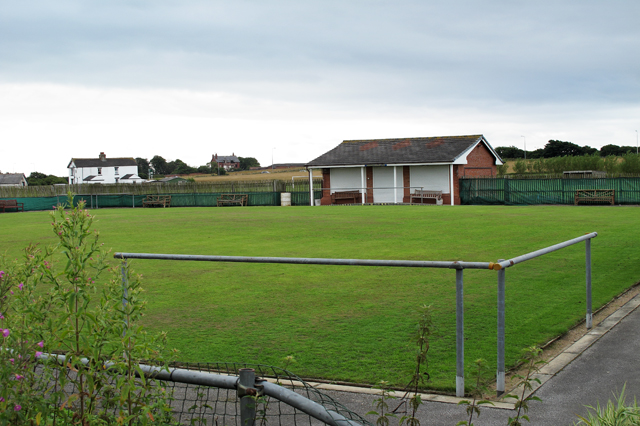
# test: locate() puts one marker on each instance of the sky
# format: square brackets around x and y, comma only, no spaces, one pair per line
[290,80]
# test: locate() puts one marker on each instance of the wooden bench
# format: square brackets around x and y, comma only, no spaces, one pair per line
[157,200]
[594,195]
[233,199]
[426,194]
[11,204]
[345,195]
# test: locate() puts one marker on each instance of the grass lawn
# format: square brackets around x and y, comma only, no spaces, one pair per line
[356,323]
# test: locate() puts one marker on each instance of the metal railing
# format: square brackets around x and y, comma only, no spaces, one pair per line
[246,399]
[458,266]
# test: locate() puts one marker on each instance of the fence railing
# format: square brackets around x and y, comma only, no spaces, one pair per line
[458,266]
[244,395]
[299,185]
[511,191]
[197,199]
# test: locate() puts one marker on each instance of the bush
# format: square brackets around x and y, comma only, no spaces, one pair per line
[87,310]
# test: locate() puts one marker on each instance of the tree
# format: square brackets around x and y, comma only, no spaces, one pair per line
[510,152]
[179,167]
[247,162]
[143,167]
[39,179]
[555,148]
[159,164]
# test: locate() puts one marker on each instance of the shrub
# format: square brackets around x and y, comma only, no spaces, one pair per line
[87,310]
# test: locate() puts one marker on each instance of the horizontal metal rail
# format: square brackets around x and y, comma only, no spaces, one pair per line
[180,375]
[459,266]
[312,261]
[510,262]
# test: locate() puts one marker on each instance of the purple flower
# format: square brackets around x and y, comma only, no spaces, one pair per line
[11,359]
[17,408]
[5,332]
[38,354]
[41,343]
[19,377]
[20,286]
[1,274]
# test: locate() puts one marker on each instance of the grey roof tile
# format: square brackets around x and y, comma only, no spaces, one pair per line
[439,149]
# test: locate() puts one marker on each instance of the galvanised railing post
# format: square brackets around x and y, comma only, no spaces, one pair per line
[501,296]
[246,382]
[589,318]
[459,333]
[125,294]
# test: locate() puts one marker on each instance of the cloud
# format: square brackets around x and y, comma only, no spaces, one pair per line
[186,79]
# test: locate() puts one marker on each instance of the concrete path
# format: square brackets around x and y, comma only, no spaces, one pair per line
[591,370]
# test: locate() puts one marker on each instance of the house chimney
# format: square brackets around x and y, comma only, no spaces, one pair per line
[102,157]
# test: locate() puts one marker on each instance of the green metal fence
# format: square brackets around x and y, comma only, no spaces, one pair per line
[505,191]
[95,201]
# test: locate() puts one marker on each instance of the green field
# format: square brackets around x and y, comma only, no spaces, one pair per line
[356,323]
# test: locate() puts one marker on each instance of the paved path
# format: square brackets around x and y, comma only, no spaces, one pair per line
[588,372]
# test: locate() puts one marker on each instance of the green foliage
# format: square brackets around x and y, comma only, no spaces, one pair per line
[143,167]
[503,169]
[630,164]
[613,414]
[510,152]
[56,308]
[383,413]
[531,360]
[247,162]
[480,378]
[39,179]
[159,165]
[616,150]
[520,167]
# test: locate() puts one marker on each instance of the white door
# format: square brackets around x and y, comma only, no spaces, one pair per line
[383,185]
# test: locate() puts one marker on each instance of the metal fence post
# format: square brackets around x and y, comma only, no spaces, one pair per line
[125,294]
[459,334]
[501,295]
[589,318]
[247,401]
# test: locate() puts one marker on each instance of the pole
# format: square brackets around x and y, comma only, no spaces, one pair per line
[501,296]
[311,199]
[125,295]
[525,147]
[459,334]
[362,184]
[247,402]
[395,186]
[589,318]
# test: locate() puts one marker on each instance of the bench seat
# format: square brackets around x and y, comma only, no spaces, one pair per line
[11,204]
[588,196]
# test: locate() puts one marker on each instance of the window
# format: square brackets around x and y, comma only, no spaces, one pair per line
[99,170]
[116,169]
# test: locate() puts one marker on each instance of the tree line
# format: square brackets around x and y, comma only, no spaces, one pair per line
[555,148]
[162,167]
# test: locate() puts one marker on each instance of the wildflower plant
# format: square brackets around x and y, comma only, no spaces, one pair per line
[87,310]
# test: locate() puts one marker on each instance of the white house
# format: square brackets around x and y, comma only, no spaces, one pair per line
[13,179]
[103,170]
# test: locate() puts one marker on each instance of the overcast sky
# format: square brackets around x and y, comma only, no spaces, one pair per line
[292,79]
